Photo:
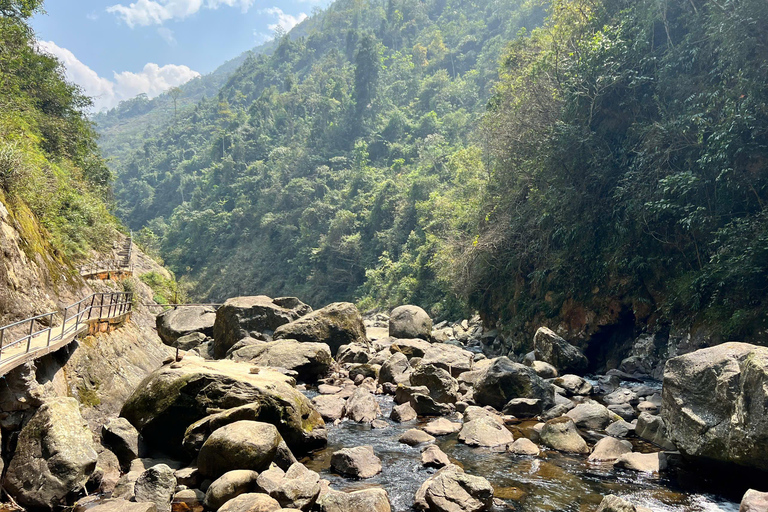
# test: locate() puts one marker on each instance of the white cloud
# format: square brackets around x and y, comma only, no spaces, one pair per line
[284,21]
[167,35]
[152,80]
[156,12]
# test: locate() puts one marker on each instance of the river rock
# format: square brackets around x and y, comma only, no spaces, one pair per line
[754,501]
[524,407]
[395,370]
[544,369]
[411,347]
[156,485]
[486,431]
[367,500]
[415,436]
[358,462]
[553,349]
[432,456]
[652,429]
[574,385]
[121,505]
[362,406]
[181,321]
[336,324]
[402,413]
[425,405]
[310,360]
[452,490]
[330,407]
[619,428]
[239,317]
[191,341]
[715,404]
[643,462]
[355,353]
[613,503]
[591,416]
[297,488]
[410,322]
[448,357]
[54,456]
[561,434]
[609,449]
[251,502]
[177,396]
[188,500]
[442,387]
[230,485]
[524,446]
[122,438]
[504,380]
[621,396]
[239,445]
[441,427]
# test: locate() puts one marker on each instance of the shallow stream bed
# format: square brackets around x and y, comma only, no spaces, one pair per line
[551,482]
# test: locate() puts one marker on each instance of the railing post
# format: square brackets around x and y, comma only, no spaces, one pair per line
[64,323]
[50,328]
[31,330]
[77,317]
[101,307]
[2,336]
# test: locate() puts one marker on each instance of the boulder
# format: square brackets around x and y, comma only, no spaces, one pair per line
[715,404]
[573,385]
[651,428]
[175,397]
[442,387]
[239,317]
[609,449]
[621,396]
[524,407]
[448,357]
[310,360]
[188,500]
[251,502]
[403,412]
[561,434]
[591,416]
[432,456]
[156,485]
[642,462]
[355,353]
[239,445]
[544,369]
[619,428]
[191,341]
[411,347]
[754,501]
[54,456]
[551,348]
[367,500]
[336,324]
[122,438]
[410,322]
[180,321]
[395,370]
[362,406]
[330,407]
[366,370]
[358,462]
[504,380]
[486,431]
[452,490]
[296,488]
[414,436]
[441,427]
[121,505]
[524,446]
[230,485]
[613,503]
[425,405]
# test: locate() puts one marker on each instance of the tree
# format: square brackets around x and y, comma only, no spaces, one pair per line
[20,9]
[175,93]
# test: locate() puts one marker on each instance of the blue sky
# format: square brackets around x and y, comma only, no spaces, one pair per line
[116,49]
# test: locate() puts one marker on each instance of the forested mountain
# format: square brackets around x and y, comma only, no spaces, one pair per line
[612,170]
[333,162]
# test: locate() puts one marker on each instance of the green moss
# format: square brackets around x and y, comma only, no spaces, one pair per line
[89,396]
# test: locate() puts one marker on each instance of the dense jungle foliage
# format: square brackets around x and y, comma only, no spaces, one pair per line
[617,156]
[51,170]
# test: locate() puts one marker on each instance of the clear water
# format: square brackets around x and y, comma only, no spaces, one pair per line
[554,482]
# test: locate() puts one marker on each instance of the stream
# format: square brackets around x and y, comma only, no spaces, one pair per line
[550,482]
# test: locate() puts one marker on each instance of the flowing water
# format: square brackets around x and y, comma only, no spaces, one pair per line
[552,482]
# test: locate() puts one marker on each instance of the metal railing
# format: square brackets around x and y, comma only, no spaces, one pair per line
[116,265]
[40,331]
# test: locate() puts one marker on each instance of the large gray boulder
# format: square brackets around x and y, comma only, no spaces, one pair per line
[362,406]
[251,502]
[54,456]
[296,488]
[551,348]
[448,357]
[395,370]
[359,462]
[561,434]
[715,404]
[336,324]
[367,500]
[754,501]
[121,505]
[442,387]
[239,317]
[309,360]
[452,490]
[240,445]
[230,485]
[410,322]
[410,347]
[122,438]
[156,485]
[504,380]
[178,322]
[174,397]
